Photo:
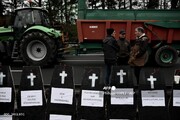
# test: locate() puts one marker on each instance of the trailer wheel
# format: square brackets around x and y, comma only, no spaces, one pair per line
[37,49]
[166,56]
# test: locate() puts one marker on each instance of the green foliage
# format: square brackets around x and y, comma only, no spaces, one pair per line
[62,11]
[153,4]
[71,30]
[101,4]
[175,4]
[133,4]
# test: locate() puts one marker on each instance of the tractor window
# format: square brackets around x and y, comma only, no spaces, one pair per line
[40,18]
[23,19]
[18,20]
[46,20]
[27,18]
[37,17]
[19,24]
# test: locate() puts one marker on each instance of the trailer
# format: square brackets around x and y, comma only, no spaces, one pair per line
[161,26]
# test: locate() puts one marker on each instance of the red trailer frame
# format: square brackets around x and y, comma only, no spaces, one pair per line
[95,30]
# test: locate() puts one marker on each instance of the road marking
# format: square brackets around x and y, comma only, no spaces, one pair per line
[82,60]
[93,54]
[16,70]
[90,55]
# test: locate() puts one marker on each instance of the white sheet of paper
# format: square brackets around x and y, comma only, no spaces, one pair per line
[122,96]
[176,98]
[59,117]
[8,117]
[5,94]
[31,98]
[62,95]
[153,98]
[92,98]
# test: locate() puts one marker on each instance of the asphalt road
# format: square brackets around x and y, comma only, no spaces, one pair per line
[79,63]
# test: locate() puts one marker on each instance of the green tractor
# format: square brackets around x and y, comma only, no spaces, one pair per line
[30,38]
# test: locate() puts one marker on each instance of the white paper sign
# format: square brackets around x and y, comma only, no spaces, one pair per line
[59,117]
[153,98]
[31,98]
[5,117]
[92,98]
[122,96]
[176,98]
[62,95]
[5,94]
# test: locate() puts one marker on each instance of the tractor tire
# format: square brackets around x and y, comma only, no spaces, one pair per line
[37,49]
[166,56]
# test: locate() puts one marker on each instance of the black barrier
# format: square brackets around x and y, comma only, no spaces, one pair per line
[7,94]
[122,101]
[94,103]
[153,100]
[61,103]
[91,102]
[31,98]
[175,97]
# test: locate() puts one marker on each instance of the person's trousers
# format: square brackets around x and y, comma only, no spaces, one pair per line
[137,70]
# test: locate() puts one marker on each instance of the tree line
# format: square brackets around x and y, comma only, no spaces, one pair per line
[65,11]
[133,4]
[62,11]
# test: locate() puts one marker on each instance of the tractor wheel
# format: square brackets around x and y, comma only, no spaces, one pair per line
[37,49]
[166,56]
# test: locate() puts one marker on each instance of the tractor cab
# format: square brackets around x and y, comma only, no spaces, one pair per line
[28,17]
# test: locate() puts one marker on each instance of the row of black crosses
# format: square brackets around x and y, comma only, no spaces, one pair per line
[93,78]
